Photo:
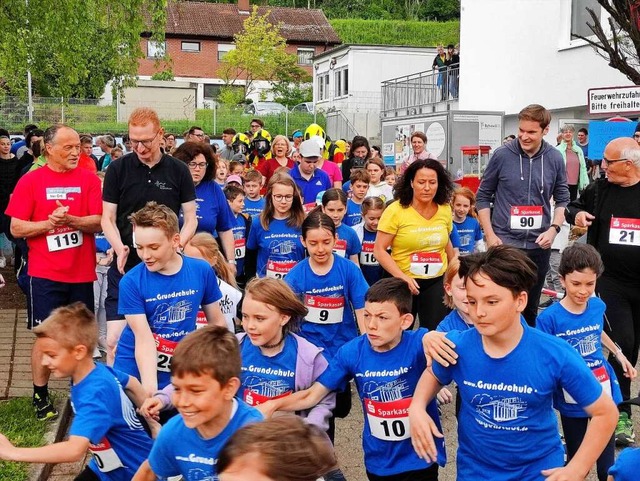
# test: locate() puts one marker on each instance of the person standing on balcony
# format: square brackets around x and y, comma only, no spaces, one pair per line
[440,65]
[453,69]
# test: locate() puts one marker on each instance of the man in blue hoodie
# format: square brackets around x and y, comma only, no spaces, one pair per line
[521,178]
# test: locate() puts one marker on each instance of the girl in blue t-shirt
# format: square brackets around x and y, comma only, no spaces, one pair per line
[273,245]
[578,319]
[332,288]
[463,205]
[372,209]
[334,204]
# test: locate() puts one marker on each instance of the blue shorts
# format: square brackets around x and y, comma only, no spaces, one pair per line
[46,295]
[113,287]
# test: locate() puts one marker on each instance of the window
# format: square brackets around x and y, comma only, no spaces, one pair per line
[323,86]
[211,91]
[156,49]
[305,55]
[580,17]
[190,46]
[223,49]
[341,82]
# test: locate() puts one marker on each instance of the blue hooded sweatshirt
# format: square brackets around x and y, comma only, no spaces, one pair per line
[515,179]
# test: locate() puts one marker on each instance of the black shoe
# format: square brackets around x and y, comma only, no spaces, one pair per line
[44,409]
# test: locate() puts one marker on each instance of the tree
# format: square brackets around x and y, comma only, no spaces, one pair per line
[618,41]
[260,54]
[74,47]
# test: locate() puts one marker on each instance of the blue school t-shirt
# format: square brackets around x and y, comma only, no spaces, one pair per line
[454,238]
[354,213]
[331,299]
[212,209]
[348,243]
[583,332]
[239,241]
[371,268]
[469,232]
[253,207]
[171,304]
[453,322]
[507,404]
[182,450]
[102,244]
[386,382]
[263,378]
[626,466]
[106,417]
[279,248]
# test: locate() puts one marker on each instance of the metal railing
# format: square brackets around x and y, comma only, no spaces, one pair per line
[420,90]
[339,126]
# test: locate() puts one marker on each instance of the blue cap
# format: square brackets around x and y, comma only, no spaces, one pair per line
[296,134]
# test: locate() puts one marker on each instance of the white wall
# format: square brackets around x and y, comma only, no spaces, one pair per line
[518,52]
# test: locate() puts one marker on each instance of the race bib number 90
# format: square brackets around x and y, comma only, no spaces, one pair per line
[526,217]
[624,232]
[388,421]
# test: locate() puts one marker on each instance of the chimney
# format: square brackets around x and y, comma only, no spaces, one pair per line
[243,7]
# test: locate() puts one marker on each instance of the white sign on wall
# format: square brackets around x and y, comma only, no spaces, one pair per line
[614,100]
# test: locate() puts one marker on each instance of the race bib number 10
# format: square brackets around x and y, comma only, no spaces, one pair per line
[624,232]
[526,217]
[388,421]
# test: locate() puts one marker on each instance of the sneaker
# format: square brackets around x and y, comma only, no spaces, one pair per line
[44,409]
[3,262]
[624,430]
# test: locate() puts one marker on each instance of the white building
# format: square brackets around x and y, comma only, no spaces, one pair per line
[519,52]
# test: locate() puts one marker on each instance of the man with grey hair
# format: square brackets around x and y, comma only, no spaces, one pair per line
[57,209]
[610,209]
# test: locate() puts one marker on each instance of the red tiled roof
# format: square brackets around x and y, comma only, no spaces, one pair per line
[222,20]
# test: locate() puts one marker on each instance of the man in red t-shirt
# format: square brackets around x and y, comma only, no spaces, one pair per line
[57,208]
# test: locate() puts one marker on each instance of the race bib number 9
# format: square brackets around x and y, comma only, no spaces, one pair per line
[388,421]
[279,269]
[105,457]
[64,240]
[624,232]
[324,310]
[425,264]
[524,217]
[164,350]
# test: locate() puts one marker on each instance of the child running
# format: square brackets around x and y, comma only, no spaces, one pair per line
[463,205]
[241,227]
[372,209]
[359,184]
[105,420]
[578,319]
[334,204]
[378,187]
[253,203]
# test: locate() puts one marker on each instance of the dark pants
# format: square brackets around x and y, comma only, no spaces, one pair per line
[574,430]
[540,258]
[428,474]
[113,288]
[342,410]
[623,316]
[573,192]
[46,295]
[87,475]
[427,305]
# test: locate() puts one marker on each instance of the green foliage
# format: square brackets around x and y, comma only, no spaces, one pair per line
[165,74]
[292,94]
[396,32]
[23,429]
[230,95]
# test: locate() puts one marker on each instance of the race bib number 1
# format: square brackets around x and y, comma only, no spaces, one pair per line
[425,264]
[624,232]
[64,240]
[524,217]
[388,421]
[105,457]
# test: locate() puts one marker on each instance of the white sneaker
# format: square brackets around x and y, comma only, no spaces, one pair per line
[3,262]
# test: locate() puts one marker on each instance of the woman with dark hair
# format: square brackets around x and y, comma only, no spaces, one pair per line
[416,227]
[359,153]
[419,146]
[212,209]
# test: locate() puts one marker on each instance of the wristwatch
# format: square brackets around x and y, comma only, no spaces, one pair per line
[232,262]
[556,227]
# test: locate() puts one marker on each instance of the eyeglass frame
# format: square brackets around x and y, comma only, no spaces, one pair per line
[145,143]
[193,165]
[613,161]
[288,197]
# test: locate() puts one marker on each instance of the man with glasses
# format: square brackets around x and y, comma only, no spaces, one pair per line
[131,181]
[255,125]
[610,209]
[310,180]
[195,134]
[57,209]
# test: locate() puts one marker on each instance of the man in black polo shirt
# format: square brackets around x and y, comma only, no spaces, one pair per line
[141,176]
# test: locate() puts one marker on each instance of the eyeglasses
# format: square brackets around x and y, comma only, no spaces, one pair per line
[255,126]
[613,161]
[197,165]
[145,143]
[280,198]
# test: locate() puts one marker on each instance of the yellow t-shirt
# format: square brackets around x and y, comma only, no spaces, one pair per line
[418,247]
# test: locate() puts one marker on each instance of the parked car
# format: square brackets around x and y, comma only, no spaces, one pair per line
[306,107]
[265,108]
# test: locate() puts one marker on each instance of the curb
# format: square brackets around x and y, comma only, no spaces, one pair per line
[56,433]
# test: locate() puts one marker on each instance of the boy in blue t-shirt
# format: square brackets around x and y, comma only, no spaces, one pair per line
[507,374]
[105,420]
[241,226]
[386,364]
[205,374]
[253,203]
[359,186]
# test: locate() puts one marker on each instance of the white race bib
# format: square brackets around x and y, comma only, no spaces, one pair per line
[340,249]
[388,421]
[64,240]
[279,269]
[239,248]
[366,255]
[624,232]
[324,310]
[164,350]
[524,217]
[602,376]
[105,457]
[425,264]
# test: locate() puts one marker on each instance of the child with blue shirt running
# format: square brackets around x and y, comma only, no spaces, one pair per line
[254,203]
[463,205]
[578,319]
[241,227]
[385,364]
[359,185]
[205,374]
[507,374]
[105,420]
[372,209]
[334,204]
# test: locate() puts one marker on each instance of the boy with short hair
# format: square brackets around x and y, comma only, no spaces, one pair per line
[160,298]
[386,364]
[105,420]
[359,185]
[205,373]
[253,202]
[235,196]
[507,374]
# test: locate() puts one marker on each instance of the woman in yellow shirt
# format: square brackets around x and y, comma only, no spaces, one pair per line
[416,227]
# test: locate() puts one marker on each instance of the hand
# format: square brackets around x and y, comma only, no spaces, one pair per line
[5,448]
[423,429]
[437,347]
[545,239]
[444,396]
[627,367]
[584,219]
[122,258]
[233,268]
[151,407]
[267,409]
[412,283]
[492,240]
[567,473]
[154,427]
